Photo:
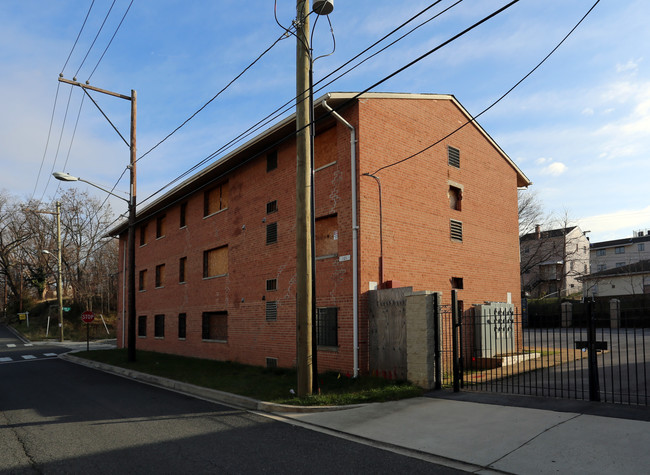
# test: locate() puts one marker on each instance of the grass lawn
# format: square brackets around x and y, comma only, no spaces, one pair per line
[270,385]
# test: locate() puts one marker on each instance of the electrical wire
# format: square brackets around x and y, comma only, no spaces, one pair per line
[80,31]
[96,36]
[473,119]
[213,98]
[111,40]
[58,148]
[47,142]
[289,104]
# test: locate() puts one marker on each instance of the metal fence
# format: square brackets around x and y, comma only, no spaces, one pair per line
[589,356]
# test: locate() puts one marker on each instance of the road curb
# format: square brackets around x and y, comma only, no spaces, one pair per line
[213,395]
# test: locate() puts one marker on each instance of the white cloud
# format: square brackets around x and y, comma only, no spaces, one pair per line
[616,225]
[631,65]
[587,111]
[554,169]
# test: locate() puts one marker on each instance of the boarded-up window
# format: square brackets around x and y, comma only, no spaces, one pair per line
[327,236]
[215,262]
[215,326]
[325,148]
[215,199]
[160,226]
[142,280]
[160,275]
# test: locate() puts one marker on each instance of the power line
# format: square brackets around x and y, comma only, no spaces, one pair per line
[213,98]
[473,119]
[96,36]
[111,40]
[47,141]
[78,35]
[393,74]
[287,105]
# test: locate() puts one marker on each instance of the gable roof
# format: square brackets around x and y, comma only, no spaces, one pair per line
[283,130]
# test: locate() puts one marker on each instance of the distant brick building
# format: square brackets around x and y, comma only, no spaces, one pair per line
[215,256]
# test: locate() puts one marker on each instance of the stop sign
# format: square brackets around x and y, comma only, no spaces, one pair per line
[88,316]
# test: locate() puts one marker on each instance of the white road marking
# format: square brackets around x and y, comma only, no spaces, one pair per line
[5,359]
[11,345]
[49,354]
[28,357]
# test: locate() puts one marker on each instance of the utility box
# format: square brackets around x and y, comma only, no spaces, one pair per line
[494,327]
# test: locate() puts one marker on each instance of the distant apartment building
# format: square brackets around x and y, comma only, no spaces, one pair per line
[216,255]
[607,255]
[552,261]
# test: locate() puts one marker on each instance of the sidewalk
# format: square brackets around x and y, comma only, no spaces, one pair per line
[492,437]
[480,433]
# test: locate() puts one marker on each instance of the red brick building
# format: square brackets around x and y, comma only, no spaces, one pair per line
[215,256]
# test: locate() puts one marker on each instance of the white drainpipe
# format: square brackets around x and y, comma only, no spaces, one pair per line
[355,232]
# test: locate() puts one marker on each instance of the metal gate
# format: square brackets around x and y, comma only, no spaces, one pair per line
[582,354]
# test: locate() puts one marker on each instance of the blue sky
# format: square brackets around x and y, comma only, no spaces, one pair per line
[579,127]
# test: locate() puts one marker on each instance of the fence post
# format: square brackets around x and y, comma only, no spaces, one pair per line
[615,313]
[594,384]
[437,350]
[454,336]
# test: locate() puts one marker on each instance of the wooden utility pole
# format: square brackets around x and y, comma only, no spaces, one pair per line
[130,273]
[59,280]
[304,270]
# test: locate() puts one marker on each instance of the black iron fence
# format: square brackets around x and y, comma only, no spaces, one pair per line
[579,352]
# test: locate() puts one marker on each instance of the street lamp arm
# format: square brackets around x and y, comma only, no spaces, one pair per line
[62,176]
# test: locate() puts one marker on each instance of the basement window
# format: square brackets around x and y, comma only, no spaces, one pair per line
[271,363]
[271,207]
[271,285]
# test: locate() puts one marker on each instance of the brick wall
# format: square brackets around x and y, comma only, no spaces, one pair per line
[417,246]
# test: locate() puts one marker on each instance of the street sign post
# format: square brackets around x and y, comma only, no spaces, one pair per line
[87,317]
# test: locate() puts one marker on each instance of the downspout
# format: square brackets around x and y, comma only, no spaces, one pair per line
[355,237]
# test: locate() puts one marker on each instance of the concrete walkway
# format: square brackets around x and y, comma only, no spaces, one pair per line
[489,437]
[480,433]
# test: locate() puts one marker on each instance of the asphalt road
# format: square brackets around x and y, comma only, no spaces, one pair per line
[58,417]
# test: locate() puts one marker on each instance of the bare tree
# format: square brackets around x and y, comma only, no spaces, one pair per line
[531,211]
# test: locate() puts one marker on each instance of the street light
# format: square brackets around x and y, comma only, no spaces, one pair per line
[62,176]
